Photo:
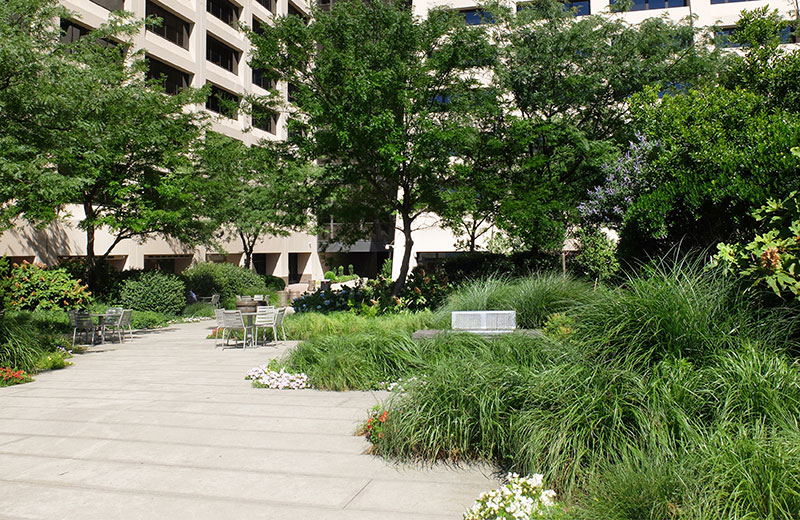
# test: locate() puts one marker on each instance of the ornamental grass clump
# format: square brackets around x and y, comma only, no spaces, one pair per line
[522,498]
[534,298]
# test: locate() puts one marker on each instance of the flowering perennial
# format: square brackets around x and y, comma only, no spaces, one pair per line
[265,377]
[522,498]
[13,377]
[401,385]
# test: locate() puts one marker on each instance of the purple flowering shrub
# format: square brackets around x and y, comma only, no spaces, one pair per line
[626,179]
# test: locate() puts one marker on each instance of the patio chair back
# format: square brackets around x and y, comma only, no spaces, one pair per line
[265,316]
[220,315]
[279,322]
[81,321]
[125,322]
[215,300]
[112,321]
[235,321]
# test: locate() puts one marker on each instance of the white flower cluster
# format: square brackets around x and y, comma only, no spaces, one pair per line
[190,319]
[401,384]
[265,377]
[522,498]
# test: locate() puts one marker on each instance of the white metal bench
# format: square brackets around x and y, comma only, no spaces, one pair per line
[484,322]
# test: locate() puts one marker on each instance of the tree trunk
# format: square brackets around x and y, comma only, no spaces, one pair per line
[401,278]
[248,246]
[90,256]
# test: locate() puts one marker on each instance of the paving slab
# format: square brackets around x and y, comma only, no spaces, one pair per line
[167,426]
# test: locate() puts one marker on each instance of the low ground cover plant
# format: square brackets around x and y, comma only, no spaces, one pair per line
[674,395]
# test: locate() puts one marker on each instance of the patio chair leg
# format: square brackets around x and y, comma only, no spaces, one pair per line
[74,333]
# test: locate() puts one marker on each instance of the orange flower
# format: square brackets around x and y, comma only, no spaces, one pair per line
[771,259]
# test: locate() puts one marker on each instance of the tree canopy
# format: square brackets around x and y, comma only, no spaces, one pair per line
[373,96]
[87,128]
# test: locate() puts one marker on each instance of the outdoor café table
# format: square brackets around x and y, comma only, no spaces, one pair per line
[101,316]
[249,319]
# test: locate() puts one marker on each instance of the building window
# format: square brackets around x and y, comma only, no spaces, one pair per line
[220,54]
[261,80]
[224,10]
[726,1]
[580,7]
[291,92]
[644,5]
[72,32]
[723,37]
[172,79]
[111,5]
[267,4]
[477,16]
[788,35]
[265,120]
[258,27]
[172,28]
[223,102]
[294,11]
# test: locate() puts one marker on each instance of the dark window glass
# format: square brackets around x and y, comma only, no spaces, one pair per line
[724,37]
[477,16]
[727,1]
[265,120]
[291,91]
[223,102]
[220,54]
[172,28]
[644,5]
[72,32]
[294,11]
[581,7]
[258,27]
[267,5]
[111,5]
[172,79]
[788,35]
[262,81]
[224,10]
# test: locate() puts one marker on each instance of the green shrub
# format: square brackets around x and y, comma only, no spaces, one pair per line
[149,320]
[107,279]
[273,283]
[155,291]
[199,310]
[25,338]
[32,287]
[227,280]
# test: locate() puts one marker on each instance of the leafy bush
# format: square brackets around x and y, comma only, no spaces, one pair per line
[325,301]
[273,282]
[149,319]
[155,291]
[225,279]
[33,287]
[107,279]
[199,310]
[773,257]
[25,337]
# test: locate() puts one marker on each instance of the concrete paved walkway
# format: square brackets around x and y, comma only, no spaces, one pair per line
[165,426]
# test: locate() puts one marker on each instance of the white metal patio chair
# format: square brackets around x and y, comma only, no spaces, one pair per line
[219,339]
[235,321]
[81,321]
[112,322]
[266,317]
[279,322]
